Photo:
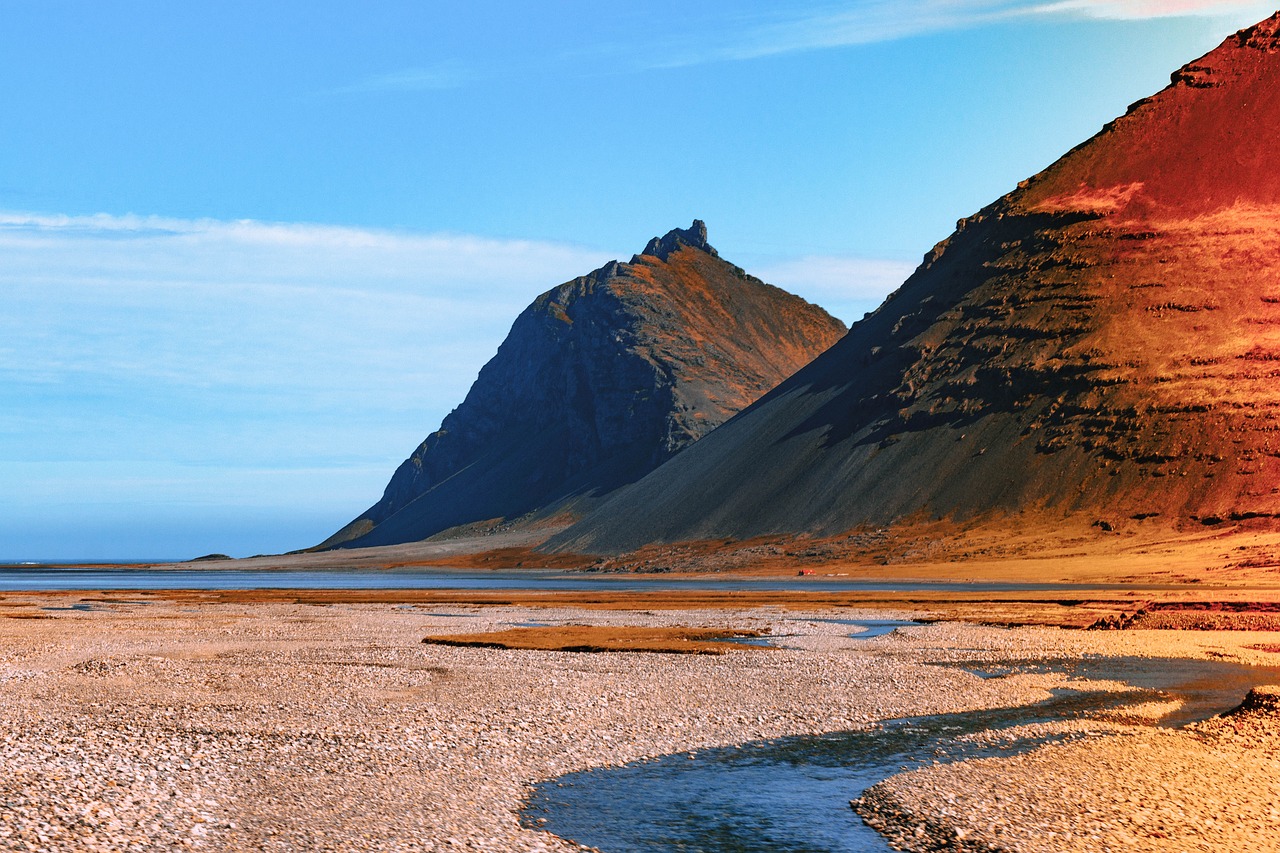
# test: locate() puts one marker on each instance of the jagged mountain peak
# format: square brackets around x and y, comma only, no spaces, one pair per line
[600,380]
[694,237]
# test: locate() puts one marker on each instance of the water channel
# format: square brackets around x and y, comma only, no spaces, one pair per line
[792,795]
[789,795]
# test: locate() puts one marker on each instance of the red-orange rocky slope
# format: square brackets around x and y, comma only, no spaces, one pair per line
[1103,342]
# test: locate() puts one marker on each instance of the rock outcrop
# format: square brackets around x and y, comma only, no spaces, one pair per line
[599,381]
[1101,343]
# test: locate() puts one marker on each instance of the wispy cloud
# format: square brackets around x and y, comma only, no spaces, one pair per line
[1141,9]
[847,287]
[299,309]
[873,21]
[140,344]
[791,27]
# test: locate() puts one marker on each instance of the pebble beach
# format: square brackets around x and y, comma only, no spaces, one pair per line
[154,725]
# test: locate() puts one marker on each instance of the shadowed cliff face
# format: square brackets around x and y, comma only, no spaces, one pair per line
[599,381]
[1103,341]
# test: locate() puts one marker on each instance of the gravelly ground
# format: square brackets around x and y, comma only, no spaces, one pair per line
[293,727]
[1214,786]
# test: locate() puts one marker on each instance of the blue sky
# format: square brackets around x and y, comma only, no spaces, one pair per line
[250,254]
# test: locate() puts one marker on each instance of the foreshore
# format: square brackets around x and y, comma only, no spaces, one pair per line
[146,724]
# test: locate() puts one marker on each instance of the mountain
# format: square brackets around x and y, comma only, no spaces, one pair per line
[599,381]
[1102,344]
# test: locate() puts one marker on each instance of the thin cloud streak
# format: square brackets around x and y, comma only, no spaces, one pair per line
[154,249]
[134,339]
[846,287]
[1143,9]
[180,307]
[877,21]
[736,38]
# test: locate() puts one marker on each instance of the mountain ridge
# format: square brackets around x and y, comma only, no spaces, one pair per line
[600,380]
[1099,342]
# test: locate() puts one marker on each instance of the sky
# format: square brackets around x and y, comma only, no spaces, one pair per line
[251,254]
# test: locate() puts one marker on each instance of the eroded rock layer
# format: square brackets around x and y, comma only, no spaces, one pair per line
[599,381]
[1104,340]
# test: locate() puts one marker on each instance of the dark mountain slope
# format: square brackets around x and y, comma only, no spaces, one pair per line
[599,381]
[1104,341]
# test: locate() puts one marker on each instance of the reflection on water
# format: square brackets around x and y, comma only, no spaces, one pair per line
[83,607]
[869,628]
[760,642]
[792,795]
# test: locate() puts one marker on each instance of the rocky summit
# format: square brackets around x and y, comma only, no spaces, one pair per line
[1101,344]
[600,380]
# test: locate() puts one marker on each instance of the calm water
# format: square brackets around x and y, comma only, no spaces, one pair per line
[31,578]
[869,629]
[792,795]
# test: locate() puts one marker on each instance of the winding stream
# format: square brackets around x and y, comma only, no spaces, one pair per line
[791,795]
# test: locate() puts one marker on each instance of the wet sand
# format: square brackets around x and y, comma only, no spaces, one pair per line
[265,725]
